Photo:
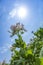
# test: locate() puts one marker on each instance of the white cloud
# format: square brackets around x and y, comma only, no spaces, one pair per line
[12,13]
[5,48]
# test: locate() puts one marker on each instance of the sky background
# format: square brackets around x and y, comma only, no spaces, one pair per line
[32,22]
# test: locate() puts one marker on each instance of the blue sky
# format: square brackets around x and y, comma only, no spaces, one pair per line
[32,22]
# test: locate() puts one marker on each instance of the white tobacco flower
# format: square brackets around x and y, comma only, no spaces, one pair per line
[13,27]
[17,27]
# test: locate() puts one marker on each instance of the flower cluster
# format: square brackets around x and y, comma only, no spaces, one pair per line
[17,27]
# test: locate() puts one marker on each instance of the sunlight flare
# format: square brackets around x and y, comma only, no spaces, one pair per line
[22,12]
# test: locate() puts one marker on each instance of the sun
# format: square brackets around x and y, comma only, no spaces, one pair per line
[22,12]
